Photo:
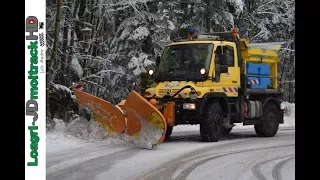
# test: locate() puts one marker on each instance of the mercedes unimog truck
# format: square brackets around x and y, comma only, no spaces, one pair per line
[213,79]
[216,80]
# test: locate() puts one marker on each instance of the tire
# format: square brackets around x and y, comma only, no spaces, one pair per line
[169,132]
[226,131]
[211,125]
[270,121]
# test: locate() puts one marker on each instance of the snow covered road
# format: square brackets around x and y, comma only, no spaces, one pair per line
[239,155]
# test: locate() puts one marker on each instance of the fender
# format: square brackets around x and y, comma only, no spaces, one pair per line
[275,101]
[209,96]
[272,100]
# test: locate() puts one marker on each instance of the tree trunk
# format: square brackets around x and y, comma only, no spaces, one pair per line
[54,51]
[208,23]
[65,50]
[94,28]
[69,63]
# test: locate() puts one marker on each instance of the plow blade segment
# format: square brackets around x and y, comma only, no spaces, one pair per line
[110,117]
[146,125]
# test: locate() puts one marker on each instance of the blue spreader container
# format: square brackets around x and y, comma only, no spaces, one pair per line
[263,83]
[256,71]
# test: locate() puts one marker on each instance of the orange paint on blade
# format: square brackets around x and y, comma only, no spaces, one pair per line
[104,112]
[139,112]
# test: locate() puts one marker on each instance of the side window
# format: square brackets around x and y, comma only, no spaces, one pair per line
[218,55]
[228,50]
[217,60]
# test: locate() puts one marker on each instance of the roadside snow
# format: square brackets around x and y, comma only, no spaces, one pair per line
[84,148]
[289,113]
[58,139]
[78,133]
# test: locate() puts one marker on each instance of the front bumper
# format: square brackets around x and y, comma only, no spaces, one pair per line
[187,116]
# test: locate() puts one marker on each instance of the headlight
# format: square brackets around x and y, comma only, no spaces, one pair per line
[150,72]
[202,71]
[190,106]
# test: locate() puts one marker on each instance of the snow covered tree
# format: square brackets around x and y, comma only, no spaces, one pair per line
[274,21]
[110,44]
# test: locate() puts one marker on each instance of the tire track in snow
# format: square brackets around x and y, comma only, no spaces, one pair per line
[65,165]
[276,171]
[185,173]
[171,167]
[85,147]
[233,135]
[87,169]
[177,164]
[181,167]
[69,162]
[256,169]
[79,152]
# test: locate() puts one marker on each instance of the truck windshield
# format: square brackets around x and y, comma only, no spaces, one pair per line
[183,62]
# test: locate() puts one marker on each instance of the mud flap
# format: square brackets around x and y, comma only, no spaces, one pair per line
[146,126]
[110,117]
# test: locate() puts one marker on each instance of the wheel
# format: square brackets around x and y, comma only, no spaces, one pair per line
[226,131]
[169,131]
[211,125]
[270,121]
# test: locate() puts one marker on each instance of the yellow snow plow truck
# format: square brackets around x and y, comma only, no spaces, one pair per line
[211,79]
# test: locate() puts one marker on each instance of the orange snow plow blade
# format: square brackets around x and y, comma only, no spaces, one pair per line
[145,123]
[135,119]
[103,111]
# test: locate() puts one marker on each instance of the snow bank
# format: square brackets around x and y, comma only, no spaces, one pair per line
[80,132]
[289,113]
[58,139]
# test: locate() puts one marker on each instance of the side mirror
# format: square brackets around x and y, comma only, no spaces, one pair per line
[158,61]
[223,69]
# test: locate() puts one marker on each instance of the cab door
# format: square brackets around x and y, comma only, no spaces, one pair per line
[226,58]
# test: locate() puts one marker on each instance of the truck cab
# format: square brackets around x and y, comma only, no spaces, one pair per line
[205,78]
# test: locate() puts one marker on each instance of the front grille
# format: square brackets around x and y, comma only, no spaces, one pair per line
[163,92]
